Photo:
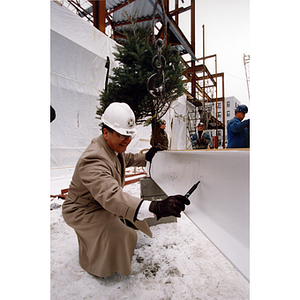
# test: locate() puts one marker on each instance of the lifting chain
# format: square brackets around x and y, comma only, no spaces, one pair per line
[158,61]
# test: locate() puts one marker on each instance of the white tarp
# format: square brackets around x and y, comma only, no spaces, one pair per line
[78,57]
[176,121]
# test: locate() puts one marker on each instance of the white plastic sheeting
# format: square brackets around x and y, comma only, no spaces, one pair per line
[141,141]
[220,204]
[78,57]
[176,125]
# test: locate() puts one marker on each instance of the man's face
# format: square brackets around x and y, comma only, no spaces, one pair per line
[116,141]
[163,126]
[200,128]
[240,115]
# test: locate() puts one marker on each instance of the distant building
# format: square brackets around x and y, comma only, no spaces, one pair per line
[231,103]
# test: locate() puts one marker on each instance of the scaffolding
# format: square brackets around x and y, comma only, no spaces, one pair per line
[207,95]
[246,59]
[207,100]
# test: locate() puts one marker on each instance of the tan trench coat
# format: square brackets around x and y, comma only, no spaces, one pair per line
[94,206]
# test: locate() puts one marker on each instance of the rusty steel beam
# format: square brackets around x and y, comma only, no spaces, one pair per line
[175,12]
[125,22]
[179,10]
[193,43]
[170,19]
[99,13]
[200,68]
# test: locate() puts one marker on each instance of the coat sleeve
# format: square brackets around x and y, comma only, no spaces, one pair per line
[207,137]
[194,138]
[135,160]
[97,176]
[236,126]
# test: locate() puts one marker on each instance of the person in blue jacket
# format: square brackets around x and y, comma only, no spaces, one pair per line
[201,139]
[238,130]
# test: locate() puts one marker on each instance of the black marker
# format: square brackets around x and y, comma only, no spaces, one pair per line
[191,190]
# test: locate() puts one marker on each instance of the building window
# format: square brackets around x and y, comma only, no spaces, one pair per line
[219,115]
[228,113]
[228,103]
[235,105]
[219,104]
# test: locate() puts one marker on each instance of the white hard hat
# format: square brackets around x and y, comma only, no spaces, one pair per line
[120,117]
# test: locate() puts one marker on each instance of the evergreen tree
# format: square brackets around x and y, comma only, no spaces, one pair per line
[129,80]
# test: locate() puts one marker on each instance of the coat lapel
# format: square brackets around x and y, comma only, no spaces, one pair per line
[119,163]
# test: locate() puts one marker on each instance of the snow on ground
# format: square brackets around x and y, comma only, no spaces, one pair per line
[179,262]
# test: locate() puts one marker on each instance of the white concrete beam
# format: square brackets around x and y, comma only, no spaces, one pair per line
[220,205]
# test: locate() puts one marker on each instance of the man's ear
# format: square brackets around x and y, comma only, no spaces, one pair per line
[105,133]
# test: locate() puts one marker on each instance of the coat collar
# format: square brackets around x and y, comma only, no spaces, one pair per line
[110,152]
[112,155]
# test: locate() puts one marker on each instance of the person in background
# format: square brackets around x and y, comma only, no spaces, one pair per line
[103,216]
[201,139]
[160,138]
[238,133]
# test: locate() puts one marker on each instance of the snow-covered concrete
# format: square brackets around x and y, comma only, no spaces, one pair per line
[179,262]
[220,204]
[60,178]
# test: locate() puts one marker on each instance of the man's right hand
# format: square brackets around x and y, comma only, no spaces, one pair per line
[171,206]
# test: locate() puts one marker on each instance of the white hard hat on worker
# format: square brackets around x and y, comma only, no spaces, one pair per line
[120,117]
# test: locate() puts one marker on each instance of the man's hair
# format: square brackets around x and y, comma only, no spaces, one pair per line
[108,128]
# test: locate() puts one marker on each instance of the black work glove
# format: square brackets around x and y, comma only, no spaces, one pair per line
[171,206]
[150,154]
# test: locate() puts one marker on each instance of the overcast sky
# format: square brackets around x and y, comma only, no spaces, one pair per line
[227,34]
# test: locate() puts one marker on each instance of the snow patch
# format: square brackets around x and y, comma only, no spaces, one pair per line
[179,262]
